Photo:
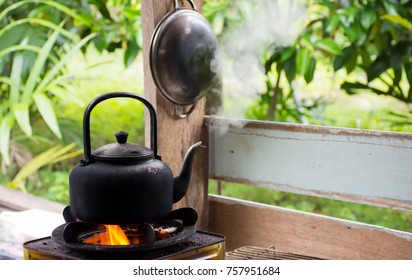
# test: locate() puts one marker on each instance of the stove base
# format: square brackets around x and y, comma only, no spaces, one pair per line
[202,246]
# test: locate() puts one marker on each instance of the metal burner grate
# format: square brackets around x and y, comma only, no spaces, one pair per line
[257,253]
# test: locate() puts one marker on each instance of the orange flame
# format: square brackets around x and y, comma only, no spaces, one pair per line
[117,235]
[114,235]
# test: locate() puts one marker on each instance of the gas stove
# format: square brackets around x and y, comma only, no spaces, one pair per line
[201,246]
[174,237]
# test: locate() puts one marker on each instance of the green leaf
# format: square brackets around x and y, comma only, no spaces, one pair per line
[351,33]
[41,22]
[286,54]
[311,71]
[269,62]
[6,126]
[131,13]
[332,23]
[368,17]
[352,88]
[366,59]
[131,52]
[342,59]
[408,72]
[50,75]
[55,4]
[10,8]
[68,11]
[328,45]
[13,37]
[52,155]
[351,64]
[290,68]
[5,80]
[86,19]
[65,91]
[15,78]
[11,49]
[21,113]
[303,59]
[100,42]
[399,54]
[380,65]
[37,68]
[361,33]
[45,107]
[397,76]
[398,20]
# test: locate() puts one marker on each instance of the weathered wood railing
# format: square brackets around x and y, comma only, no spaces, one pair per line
[345,164]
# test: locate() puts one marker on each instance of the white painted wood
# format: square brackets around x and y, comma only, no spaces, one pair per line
[345,164]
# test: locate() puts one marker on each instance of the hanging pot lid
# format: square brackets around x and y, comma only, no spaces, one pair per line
[122,150]
[184,56]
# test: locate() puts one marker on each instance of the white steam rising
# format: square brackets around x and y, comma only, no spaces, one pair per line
[267,24]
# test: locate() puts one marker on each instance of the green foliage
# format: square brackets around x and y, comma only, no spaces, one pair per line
[373,37]
[51,184]
[32,69]
[116,23]
[379,42]
[370,40]
[50,156]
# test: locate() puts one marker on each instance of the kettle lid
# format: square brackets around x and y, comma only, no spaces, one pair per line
[122,150]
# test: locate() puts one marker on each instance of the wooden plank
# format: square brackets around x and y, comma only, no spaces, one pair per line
[346,164]
[252,224]
[14,200]
[175,135]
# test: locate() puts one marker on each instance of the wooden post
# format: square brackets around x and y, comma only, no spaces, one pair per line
[175,135]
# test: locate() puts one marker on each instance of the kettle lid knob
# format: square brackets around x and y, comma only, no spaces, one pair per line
[121,137]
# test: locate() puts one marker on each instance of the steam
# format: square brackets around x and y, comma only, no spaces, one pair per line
[267,24]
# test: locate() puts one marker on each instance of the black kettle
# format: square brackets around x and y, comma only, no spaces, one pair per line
[125,183]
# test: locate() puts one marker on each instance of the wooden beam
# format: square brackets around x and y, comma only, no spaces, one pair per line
[371,167]
[13,200]
[251,224]
[175,135]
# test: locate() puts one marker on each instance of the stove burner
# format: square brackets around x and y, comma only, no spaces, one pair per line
[75,234]
[203,245]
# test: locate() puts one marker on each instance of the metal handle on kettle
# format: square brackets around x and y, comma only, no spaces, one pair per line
[97,100]
[190,1]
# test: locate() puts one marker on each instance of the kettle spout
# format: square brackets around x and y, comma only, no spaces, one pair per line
[181,182]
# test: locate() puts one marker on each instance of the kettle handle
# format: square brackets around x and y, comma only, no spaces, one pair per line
[191,3]
[97,100]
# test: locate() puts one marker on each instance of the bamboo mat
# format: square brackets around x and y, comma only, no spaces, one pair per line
[257,253]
